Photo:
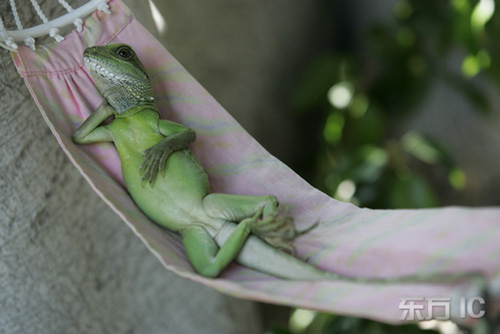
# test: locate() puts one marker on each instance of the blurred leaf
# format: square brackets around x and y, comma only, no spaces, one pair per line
[471,66]
[406,37]
[373,161]
[301,319]
[320,323]
[481,14]
[318,78]
[427,149]
[461,26]
[349,325]
[359,106]
[403,9]
[419,146]
[484,58]
[333,127]
[457,178]
[279,330]
[370,128]
[412,191]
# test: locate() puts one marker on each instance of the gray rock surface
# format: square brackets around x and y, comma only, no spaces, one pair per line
[68,264]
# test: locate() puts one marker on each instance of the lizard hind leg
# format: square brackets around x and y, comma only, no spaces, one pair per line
[236,208]
[277,230]
[208,258]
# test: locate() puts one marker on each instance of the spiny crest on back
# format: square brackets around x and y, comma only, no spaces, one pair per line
[119,76]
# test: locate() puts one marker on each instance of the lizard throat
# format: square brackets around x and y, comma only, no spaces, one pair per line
[121,98]
[123,89]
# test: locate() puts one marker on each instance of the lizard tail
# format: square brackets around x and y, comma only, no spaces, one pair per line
[259,255]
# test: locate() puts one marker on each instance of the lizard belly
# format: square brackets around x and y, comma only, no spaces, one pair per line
[174,200]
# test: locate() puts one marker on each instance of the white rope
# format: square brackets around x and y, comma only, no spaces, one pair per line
[8,38]
[103,7]
[39,11]
[53,32]
[30,41]
[16,15]
[78,22]
[66,5]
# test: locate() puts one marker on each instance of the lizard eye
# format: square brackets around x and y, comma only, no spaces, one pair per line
[124,53]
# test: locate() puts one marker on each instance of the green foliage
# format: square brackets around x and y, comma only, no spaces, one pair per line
[349,325]
[411,191]
[357,101]
[333,324]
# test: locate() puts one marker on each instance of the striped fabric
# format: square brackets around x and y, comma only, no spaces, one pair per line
[349,240]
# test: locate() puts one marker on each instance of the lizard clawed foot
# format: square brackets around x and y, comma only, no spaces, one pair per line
[277,230]
[155,158]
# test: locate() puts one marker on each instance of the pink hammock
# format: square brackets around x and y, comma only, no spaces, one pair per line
[350,241]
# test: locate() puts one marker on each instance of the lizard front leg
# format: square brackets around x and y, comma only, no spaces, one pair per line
[90,131]
[177,137]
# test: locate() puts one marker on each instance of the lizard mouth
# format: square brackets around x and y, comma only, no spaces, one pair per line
[87,54]
[91,63]
[89,51]
[88,58]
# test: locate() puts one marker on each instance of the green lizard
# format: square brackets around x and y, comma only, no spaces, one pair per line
[171,187]
[169,184]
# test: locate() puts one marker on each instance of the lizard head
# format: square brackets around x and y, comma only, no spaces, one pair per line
[119,76]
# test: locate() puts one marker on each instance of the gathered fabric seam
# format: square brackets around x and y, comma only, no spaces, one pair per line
[28,74]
